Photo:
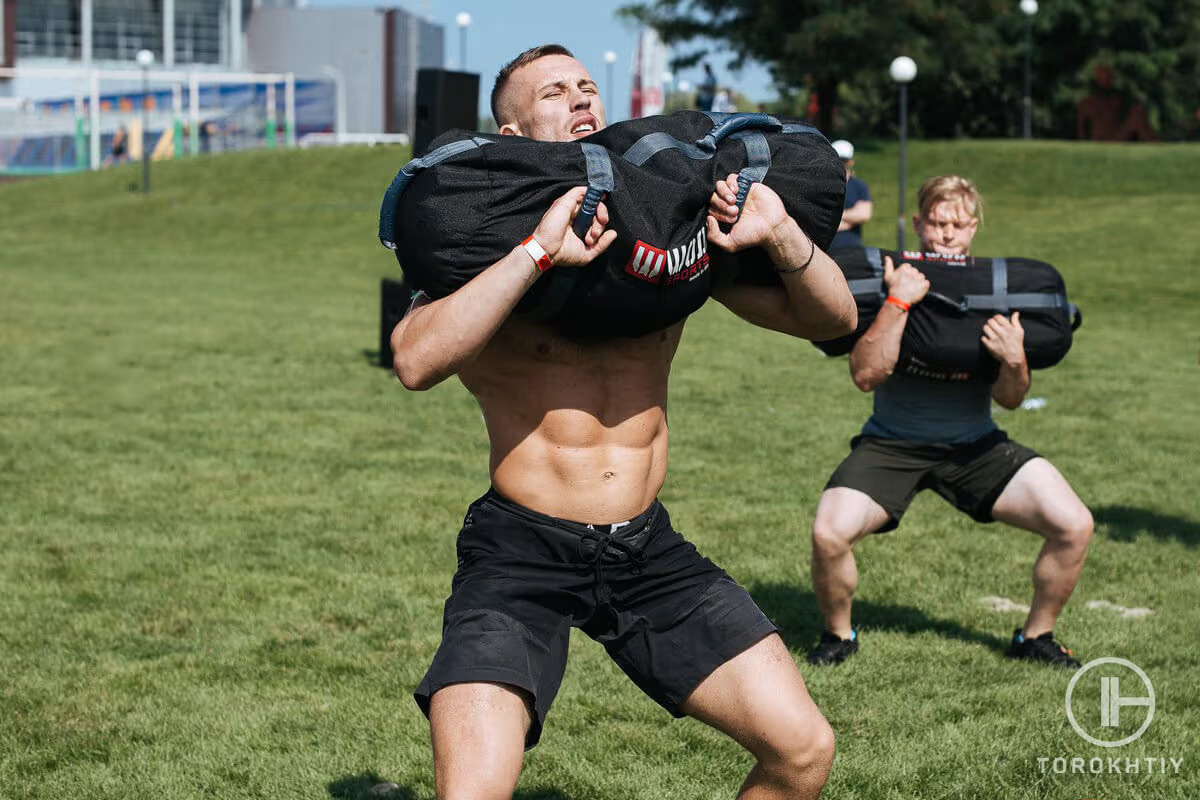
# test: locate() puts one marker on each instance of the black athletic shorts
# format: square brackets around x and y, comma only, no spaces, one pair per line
[970,476]
[666,614]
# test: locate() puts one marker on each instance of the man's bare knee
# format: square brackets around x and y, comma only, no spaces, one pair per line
[1075,531]
[803,760]
[829,540]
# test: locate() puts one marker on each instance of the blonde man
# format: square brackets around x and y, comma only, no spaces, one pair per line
[926,434]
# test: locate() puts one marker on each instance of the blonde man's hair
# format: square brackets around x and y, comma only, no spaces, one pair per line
[954,189]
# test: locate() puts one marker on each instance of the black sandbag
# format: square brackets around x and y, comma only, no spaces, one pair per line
[942,339]
[473,197]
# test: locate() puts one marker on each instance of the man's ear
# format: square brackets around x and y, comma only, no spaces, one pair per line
[510,129]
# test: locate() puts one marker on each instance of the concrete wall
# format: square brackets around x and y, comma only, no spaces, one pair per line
[353,41]
[305,40]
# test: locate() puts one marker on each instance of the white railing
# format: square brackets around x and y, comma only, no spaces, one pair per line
[336,139]
[91,77]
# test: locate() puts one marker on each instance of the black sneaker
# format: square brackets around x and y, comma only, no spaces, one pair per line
[832,650]
[1043,649]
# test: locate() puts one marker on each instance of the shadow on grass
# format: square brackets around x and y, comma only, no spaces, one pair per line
[1125,523]
[798,616]
[374,358]
[369,786]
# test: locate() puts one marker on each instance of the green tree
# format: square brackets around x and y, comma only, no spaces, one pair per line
[820,45]
[970,56]
[1152,48]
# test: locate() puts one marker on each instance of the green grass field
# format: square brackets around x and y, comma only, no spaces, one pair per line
[225,535]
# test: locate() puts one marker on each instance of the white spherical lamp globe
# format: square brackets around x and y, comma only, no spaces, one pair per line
[903,69]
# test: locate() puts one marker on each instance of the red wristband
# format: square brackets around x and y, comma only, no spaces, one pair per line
[896,301]
[537,253]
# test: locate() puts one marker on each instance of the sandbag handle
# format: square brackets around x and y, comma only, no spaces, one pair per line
[960,306]
[600,183]
[391,198]
[733,123]
[758,163]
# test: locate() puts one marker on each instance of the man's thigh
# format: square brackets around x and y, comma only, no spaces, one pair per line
[977,474]
[1039,499]
[759,699]
[889,472]
[672,617]
[479,732]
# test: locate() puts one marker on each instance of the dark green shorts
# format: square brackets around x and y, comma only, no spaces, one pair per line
[892,471]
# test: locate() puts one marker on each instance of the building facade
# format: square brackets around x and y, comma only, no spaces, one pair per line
[371,54]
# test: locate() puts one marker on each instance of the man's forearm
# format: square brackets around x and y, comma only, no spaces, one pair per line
[1012,384]
[874,356]
[816,287]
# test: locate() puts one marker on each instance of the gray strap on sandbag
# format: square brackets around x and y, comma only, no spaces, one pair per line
[387,212]
[600,183]
[652,143]
[801,127]
[1000,300]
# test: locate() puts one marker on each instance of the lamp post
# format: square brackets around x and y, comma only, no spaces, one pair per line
[1028,8]
[463,19]
[903,70]
[145,60]
[610,58]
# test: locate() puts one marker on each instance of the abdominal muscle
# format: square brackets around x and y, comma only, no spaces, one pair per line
[578,431]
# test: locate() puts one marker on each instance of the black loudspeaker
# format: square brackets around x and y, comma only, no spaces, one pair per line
[445,100]
[394,299]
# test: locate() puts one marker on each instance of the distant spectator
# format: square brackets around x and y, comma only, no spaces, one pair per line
[723,102]
[119,152]
[707,91]
[206,132]
[858,206]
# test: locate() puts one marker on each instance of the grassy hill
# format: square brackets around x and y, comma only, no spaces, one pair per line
[226,536]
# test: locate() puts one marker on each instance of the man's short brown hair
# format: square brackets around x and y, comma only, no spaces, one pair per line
[950,188]
[528,57]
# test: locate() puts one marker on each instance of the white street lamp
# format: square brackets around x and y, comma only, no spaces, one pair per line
[1028,8]
[610,58]
[903,69]
[145,60]
[463,19]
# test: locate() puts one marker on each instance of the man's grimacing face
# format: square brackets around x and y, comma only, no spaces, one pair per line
[553,99]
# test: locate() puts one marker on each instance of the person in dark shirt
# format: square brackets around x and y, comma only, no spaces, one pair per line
[858,206]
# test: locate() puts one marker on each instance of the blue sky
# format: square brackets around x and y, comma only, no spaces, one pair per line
[500,29]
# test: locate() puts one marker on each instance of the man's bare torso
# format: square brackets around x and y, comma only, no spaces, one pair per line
[578,431]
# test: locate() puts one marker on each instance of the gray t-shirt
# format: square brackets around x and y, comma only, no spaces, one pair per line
[922,410]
